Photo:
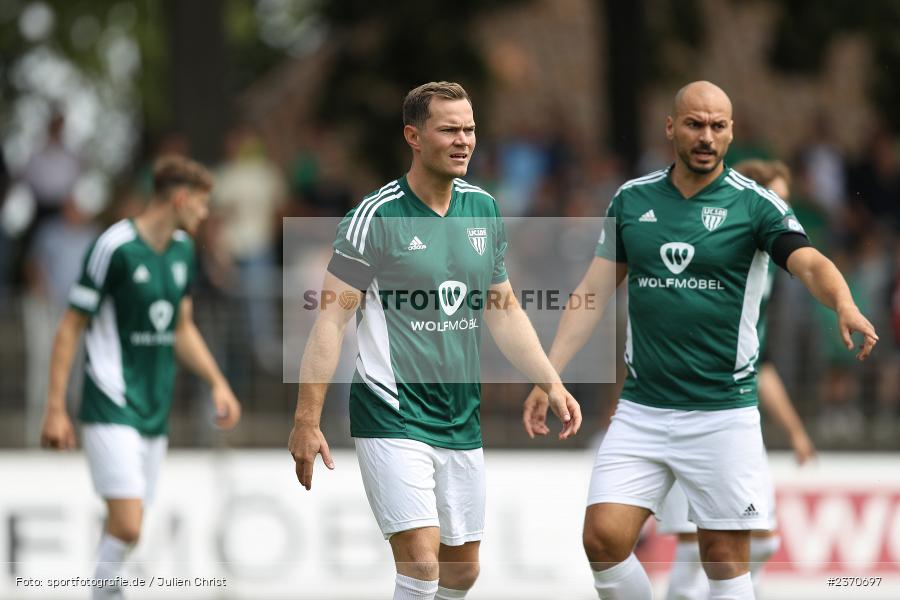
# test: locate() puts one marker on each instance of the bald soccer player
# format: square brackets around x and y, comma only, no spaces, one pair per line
[694,240]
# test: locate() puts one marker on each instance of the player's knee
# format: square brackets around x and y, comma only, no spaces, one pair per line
[602,546]
[723,561]
[423,570]
[129,533]
[418,562]
[459,576]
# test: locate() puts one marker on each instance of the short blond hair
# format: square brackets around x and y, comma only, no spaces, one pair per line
[415,105]
[171,171]
[764,172]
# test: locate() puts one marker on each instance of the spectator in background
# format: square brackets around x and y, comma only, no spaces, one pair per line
[823,160]
[304,173]
[51,173]
[523,160]
[5,241]
[248,201]
[840,420]
[317,176]
[875,181]
[748,144]
[885,429]
[875,280]
[51,268]
[793,342]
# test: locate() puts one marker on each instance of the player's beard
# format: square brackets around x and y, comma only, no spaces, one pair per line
[686,156]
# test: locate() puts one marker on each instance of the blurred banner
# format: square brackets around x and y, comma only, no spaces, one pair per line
[421,320]
[238,525]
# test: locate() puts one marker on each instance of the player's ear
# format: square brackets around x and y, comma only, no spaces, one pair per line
[411,134]
[670,127]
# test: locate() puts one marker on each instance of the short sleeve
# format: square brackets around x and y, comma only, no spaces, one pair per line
[609,245]
[356,249]
[500,243]
[98,269]
[771,218]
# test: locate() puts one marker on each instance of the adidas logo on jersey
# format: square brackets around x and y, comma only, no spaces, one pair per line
[750,511]
[648,217]
[416,244]
[141,274]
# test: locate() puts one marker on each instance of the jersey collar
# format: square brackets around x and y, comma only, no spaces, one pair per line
[416,202]
[710,187]
[145,244]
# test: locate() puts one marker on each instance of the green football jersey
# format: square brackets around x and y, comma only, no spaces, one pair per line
[697,273]
[762,328]
[132,294]
[426,279]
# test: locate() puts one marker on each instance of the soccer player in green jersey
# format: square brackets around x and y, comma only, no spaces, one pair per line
[427,238]
[694,241]
[133,297]
[687,581]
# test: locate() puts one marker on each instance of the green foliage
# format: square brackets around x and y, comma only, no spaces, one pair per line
[806,28]
[248,55]
[671,23]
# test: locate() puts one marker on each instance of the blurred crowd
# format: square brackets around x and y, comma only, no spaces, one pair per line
[51,213]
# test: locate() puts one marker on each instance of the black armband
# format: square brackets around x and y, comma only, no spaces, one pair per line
[785,244]
[351,271]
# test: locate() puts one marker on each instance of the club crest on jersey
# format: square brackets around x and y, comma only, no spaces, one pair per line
[179,273]
[161,314]
[713,216]
[451,295]
[478,238]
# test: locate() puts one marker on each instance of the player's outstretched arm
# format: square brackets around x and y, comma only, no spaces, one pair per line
[320,359]
[826,283]
[516,338]
[192,351]
[583,312]
[57,431]
[774,399]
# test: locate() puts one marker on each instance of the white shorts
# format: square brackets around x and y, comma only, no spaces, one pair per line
[718,456]
[410,485]
[123,463]
[673,515]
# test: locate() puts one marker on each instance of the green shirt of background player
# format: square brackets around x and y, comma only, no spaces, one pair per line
[407,480]
[133,299]
[671,226]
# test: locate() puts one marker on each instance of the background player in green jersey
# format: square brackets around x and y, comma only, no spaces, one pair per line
[687,581]
[416,394]
[694,241]
[133,298]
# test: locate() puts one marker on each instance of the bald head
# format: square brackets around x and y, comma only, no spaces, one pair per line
[700,128]
[702,96]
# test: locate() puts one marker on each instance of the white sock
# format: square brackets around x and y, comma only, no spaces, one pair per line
[624,581]
[448,594]
[109,564]
[407,588]
[736,588]
[761,550]
[687,579]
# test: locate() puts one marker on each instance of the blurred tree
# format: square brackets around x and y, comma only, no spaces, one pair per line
[79,56]
[806,28]
[198,66]
[132,69]
[647,42]
[385,48]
